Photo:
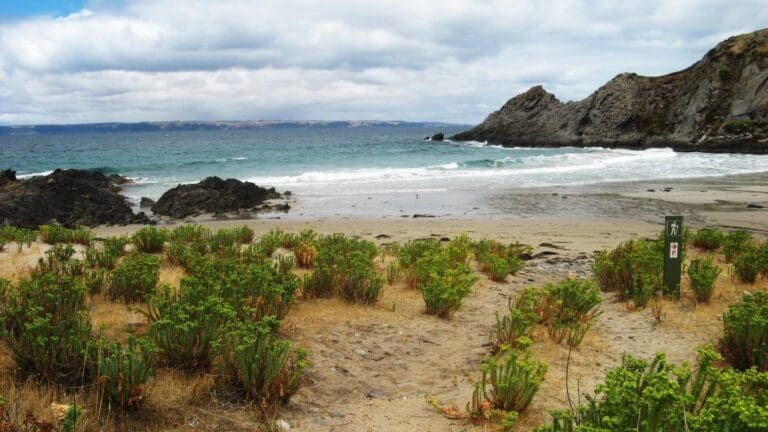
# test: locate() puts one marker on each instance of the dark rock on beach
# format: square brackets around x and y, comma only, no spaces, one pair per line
[212,195]
[146,202]
[719,105]
[438,137]
[7,176]
[68,197]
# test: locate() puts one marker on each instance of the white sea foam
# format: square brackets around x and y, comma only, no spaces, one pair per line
[29,175]
[555,169]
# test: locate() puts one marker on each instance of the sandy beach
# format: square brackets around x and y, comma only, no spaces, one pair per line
[373,367]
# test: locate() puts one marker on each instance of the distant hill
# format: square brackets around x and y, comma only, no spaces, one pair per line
[204,125]
[719,104]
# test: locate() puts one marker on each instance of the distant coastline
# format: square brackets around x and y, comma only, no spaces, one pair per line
[173,126]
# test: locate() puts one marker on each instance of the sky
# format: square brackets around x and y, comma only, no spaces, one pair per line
[416,60]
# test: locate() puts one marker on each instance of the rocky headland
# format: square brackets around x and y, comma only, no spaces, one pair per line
[67,197]
[719,104]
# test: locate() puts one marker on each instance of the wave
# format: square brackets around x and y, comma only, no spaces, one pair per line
[585,167]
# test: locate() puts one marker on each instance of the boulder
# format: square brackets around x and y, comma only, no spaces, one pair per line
[212,195]
[438,137]
[7,176]
[146,202]
[68,197]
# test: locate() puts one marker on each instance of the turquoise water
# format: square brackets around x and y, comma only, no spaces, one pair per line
[340,164]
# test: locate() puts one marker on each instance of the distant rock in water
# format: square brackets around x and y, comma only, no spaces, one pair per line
[438,136]
[719,104]
[68,197]
[212,195]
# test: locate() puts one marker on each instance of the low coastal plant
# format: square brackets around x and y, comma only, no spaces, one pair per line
[411,251]
[135,279]
[271,240]
[189,233]
[123,371]
[52,234]
[104,258]
[736,241]
[508,384]
[305,254]
[703,273]
[252,357]
[745,332]
[569,309]
[283,264]
[393,272]
[497,260]
[634,269]
[709,239]
[459,249]
[344,266]
[658,396]
[443,284]
[149,239]
[82,235]
[46,328]
[21,236]
[747,264]
[510,328]
[95,280]
[116,245]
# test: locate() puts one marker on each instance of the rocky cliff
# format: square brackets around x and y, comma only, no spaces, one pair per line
[719,104]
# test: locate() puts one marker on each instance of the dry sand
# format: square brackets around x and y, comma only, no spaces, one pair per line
[372,367]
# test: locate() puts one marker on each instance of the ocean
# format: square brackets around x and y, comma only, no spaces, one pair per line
[369,170]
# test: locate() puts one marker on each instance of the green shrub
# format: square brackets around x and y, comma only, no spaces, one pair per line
[734,242]
[708,239]
[177,252]
[359,283]
[747,264]
[393,272]
[116,244]
[52,234]
[123,372]
[226,242]
[703,274]
[745,332]
[344,266]
[105,258]
[634,269]
[569,309]
[413,250]
[458,249]
[46,327]
[284,263]
[510,328]
[82,235]
[189,233]
[271,240]
[184,325]
[508,384]
[135,279]
[443,285]
[58,259]
[21,236]
[267,368]
[658,396]
[498,268]
[95,281]
[149,239]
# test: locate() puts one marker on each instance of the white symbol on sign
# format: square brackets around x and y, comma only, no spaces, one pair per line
[673,250]
[674,227]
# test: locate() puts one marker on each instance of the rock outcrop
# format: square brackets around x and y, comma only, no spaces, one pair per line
[719,104]
[68,197]
[212,195]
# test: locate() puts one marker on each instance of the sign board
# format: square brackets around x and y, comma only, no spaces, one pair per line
[673,254]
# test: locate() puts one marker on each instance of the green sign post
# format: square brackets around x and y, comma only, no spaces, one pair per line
[673,254]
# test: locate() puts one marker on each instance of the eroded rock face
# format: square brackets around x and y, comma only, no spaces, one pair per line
[719,104]
[212,195]
[68,197]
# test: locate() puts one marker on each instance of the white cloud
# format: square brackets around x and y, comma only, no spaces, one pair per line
[451,60]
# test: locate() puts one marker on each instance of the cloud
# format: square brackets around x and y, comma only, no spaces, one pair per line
[451,60]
